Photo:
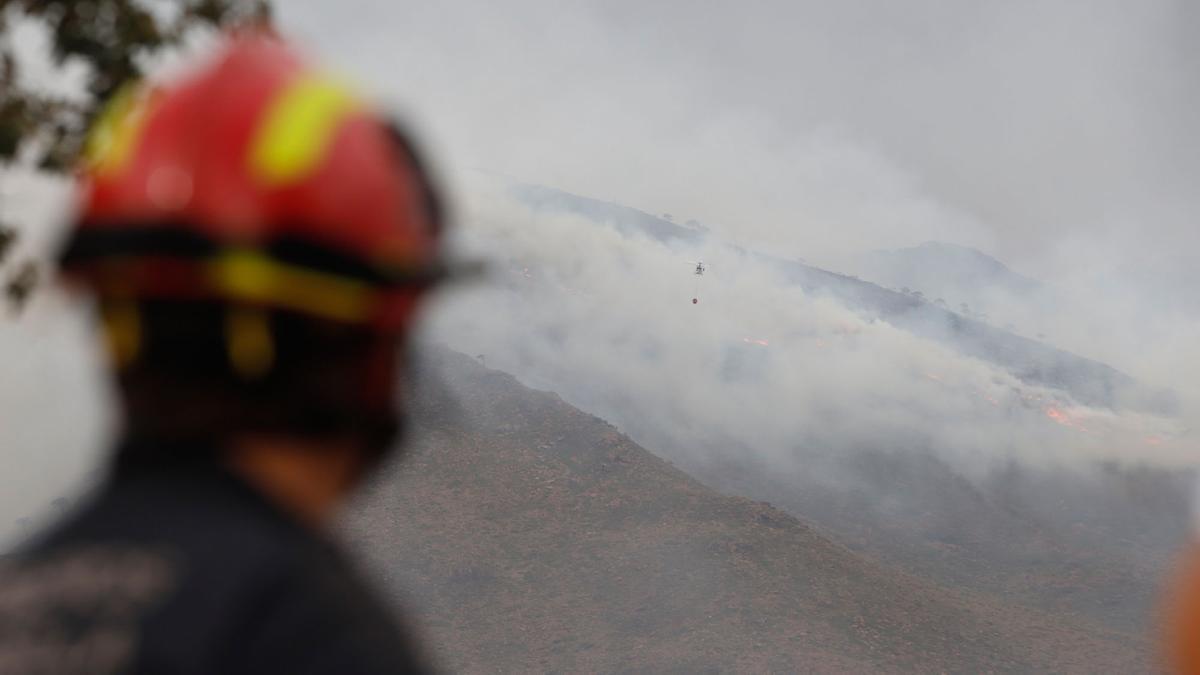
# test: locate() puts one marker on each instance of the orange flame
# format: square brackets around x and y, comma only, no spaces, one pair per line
[1063,418]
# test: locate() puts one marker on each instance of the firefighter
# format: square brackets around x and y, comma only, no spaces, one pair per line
[257,240]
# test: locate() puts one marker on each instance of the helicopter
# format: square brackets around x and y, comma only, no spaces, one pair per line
[699,270]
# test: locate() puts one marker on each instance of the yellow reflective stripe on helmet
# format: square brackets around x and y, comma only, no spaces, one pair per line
[295,132]
[252,277]
[112,139]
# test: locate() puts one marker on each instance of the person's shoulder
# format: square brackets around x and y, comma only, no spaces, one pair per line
[215,578]
[160,564]
[71,604]
[318,614]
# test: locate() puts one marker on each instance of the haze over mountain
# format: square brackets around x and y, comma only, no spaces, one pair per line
[953,449]
[1058,138]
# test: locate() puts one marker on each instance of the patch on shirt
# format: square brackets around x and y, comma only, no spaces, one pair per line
[78,610]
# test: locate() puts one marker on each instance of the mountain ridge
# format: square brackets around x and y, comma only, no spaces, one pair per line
[1088,381]
[958,265]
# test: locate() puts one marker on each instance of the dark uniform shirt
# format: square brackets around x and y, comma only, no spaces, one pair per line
[182,568]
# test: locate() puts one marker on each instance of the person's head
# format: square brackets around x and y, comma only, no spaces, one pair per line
[257,240]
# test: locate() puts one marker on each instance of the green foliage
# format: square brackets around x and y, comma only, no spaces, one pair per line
[7,237]
[21,284]
[110,37]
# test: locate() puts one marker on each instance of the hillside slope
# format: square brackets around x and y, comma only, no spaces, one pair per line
[527,535]
[1092,543]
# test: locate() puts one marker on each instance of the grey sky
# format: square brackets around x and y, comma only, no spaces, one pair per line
[1031,129]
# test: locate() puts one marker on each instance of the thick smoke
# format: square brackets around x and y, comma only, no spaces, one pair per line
[758,365]
[899,436]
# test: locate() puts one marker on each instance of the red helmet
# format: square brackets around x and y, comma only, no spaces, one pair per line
[257,181]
